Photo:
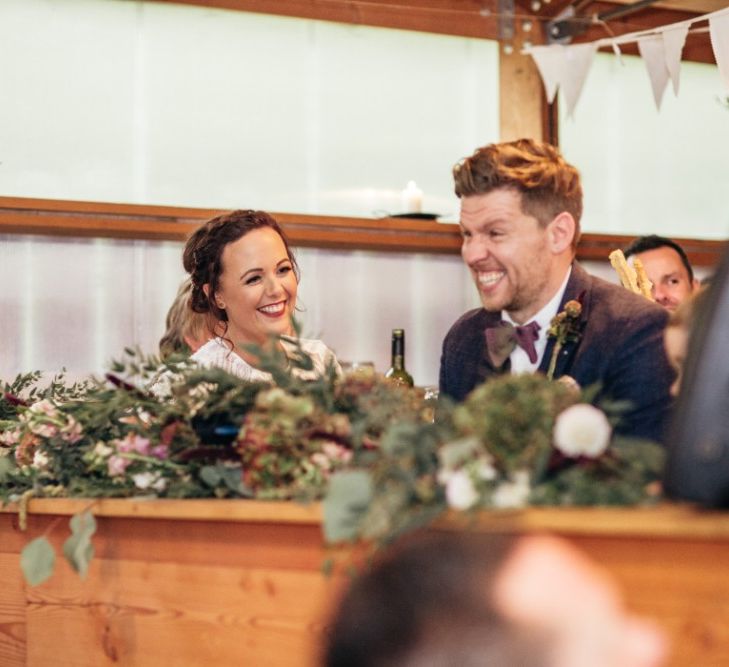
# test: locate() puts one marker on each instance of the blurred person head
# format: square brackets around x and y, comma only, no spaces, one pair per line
[521,205]
[244,275]
[677,333]
[474,600]
[667,267]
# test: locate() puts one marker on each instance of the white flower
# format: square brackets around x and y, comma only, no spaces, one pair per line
[460,492]
[160,484]
[582,430]
[443,475]
[102,450]
[11,437]
[199,395]
[513,493]
[40,460]
[44,407]
[485,468]
[149,480]
[144,480]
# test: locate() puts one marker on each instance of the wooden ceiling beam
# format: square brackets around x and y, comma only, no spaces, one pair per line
[464,18]
[478,18]
[697,48]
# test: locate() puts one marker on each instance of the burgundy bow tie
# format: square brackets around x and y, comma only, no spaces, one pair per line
[502,338]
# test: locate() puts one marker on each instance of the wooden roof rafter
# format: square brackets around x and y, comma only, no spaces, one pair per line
[480,18]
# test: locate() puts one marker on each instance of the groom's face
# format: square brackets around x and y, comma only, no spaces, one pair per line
[509,253]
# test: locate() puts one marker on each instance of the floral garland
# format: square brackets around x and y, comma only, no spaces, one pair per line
[370,449]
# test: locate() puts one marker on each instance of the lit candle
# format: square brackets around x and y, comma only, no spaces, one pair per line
[411,198]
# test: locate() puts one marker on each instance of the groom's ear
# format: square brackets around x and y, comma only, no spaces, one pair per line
[560,232]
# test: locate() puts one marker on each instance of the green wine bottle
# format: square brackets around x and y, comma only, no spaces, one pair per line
[397,372]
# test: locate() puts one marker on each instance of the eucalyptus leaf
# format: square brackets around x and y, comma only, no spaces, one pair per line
[6,465]
[234,481]
[78,548]
[347,501]
[210,475]
[37,560]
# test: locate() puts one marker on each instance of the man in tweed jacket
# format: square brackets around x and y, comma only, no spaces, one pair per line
[521,204]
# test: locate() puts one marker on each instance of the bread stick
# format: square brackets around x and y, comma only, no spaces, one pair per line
[624,270]
[644,285]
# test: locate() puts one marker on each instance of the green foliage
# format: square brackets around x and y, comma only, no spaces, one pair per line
[78,549]
[347,501]
[369,448]
[514,415]
[37,561]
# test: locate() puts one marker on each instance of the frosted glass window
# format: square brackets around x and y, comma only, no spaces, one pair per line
[157,103]
[171,104]
[646,171]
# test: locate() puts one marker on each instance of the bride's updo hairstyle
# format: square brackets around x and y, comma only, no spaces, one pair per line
[202,257]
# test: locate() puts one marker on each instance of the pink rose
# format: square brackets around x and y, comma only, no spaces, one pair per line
[117,465]
[160,452]
[133,443]
[72,431]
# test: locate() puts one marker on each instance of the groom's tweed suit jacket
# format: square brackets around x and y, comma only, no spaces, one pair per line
[621,348]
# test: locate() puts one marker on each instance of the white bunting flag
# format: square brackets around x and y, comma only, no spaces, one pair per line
[577,61]
[654,56]
[719,31]
[566,67]
[550,62]
[673,41]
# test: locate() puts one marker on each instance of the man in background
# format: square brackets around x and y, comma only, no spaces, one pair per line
[667,267]
[473,600]
[521,205]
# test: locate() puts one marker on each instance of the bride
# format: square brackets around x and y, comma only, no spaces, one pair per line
[245,278]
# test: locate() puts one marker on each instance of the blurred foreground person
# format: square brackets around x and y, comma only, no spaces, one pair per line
[245,277]
[667,267]
[470,600]
[187,330]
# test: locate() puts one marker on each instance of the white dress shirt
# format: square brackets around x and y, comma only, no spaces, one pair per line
[519,359]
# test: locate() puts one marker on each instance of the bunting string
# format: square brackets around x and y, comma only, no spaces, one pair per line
[565,67]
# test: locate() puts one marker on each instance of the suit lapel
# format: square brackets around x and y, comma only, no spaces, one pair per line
[485,367]
[578,288]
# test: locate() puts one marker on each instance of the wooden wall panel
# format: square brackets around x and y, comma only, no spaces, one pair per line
[231,585]
[166,613]
[12,611]
[673,581]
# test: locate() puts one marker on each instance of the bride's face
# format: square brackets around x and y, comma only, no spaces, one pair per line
[257,287]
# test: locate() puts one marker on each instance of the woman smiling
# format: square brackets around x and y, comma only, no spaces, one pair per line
[245,277]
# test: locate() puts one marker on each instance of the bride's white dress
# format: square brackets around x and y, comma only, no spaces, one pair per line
[216,353]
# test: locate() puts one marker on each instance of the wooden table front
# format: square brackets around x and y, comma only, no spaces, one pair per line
[205,582]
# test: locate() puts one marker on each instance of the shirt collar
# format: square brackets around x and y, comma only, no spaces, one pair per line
[544,317]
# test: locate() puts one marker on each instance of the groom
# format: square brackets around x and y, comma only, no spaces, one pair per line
[521,205]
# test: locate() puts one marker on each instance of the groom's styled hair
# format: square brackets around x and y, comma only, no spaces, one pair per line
[548,184]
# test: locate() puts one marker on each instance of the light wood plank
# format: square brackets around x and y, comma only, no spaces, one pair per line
[523,105]
[137,613]
[12,612]
[51,217]
[157,583]
[667,519]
